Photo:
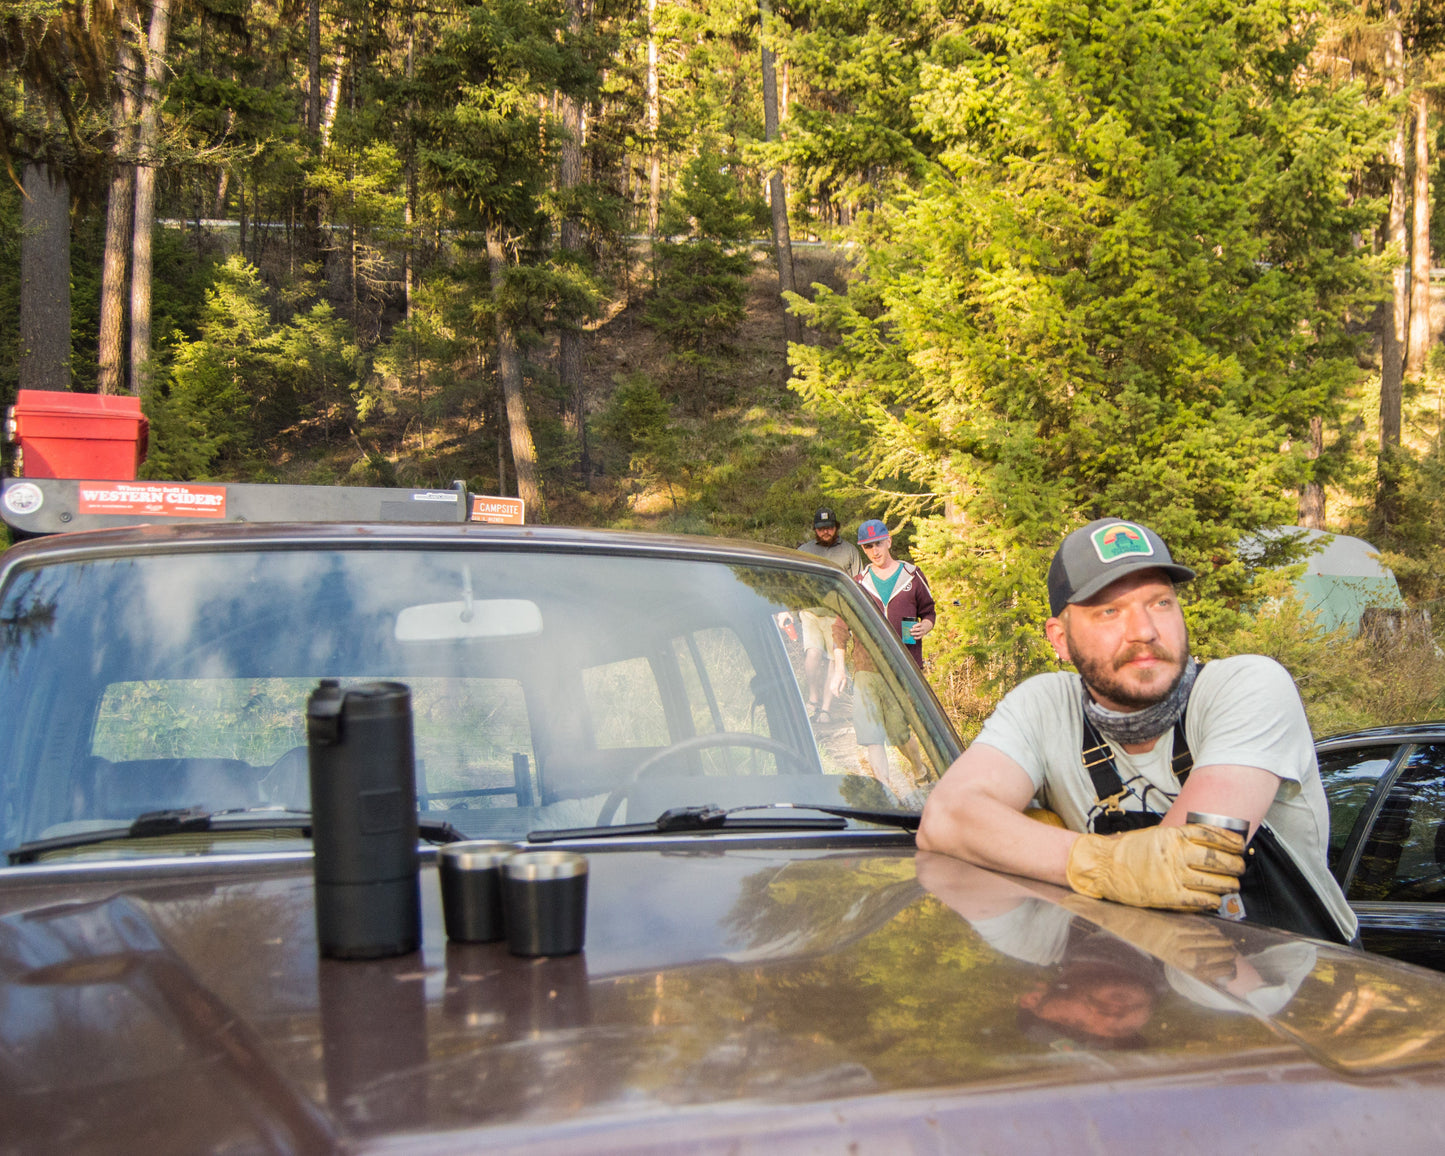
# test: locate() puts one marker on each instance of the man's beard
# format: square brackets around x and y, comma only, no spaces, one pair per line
[826,541]
[1100,675]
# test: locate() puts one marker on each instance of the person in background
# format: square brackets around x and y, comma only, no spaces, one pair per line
[817,622]
[900,593]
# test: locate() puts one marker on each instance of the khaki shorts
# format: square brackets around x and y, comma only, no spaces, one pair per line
[877,717]
[817,631]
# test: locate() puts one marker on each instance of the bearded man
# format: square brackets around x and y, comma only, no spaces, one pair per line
[1112,761]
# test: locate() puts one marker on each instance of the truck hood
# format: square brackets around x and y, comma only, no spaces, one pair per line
[730,998]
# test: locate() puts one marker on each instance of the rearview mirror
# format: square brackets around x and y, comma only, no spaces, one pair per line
[475,618]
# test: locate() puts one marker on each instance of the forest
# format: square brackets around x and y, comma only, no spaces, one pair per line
[984,268]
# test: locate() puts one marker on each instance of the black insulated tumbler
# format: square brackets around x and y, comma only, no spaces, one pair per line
[545,896]
[364,831]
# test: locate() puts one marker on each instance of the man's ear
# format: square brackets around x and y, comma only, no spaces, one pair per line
[1058,638]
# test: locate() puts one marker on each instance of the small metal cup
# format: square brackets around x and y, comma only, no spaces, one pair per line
[1231,906]
[546,901]
[471,879]
[1224,822]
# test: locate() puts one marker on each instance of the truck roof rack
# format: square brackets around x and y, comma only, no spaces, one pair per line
[36,506]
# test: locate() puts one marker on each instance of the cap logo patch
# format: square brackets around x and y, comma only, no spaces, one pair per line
[1120,540]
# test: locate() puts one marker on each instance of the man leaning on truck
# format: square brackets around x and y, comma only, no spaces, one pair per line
[1113,762]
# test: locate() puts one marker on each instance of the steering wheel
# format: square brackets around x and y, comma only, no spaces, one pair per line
[697,743]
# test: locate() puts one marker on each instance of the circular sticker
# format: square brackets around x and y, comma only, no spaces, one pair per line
[24,498]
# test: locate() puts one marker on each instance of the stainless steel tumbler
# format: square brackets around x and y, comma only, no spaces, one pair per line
[471,882]
[545,896]
[1231,906]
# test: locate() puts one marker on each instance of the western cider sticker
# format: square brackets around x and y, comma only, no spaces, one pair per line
[24,498]
[169,499]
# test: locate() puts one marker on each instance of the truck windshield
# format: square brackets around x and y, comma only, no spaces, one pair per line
[549,690]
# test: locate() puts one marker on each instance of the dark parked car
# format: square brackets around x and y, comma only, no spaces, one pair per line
[792,977]
[1386,788]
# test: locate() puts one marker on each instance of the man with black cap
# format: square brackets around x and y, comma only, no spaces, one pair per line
[817,622]
[1114,762]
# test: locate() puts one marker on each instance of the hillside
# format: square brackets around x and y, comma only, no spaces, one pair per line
[739,457]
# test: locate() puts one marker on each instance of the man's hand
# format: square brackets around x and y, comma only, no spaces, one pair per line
[1200,947]
[837,675]
[1177,868]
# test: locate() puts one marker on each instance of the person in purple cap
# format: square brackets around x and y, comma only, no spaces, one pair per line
[899,592]
[1123,777]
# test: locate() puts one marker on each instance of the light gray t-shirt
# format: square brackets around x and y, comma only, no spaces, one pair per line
[1243,711]
[844,555]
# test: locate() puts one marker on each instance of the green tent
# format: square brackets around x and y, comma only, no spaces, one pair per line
[1342,577]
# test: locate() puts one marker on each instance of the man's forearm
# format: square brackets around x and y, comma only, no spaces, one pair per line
[982,830]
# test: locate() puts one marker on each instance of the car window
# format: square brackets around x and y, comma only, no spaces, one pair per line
[471,738]
[546,692]
[718,677]
[1403,858]
[1349,776]
[625,703]
[257,720]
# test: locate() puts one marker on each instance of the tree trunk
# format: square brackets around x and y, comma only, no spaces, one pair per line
[782,240]
[145,194]
[110,377]
[654,119]
[333,99]
[509,368]
[1312,493]
[312,211]
[44,279]
[408,266]
[569,176]
[1420,243]
[501,448]
[313,69]
[1393,338]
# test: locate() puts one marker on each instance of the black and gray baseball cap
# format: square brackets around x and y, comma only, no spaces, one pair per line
[824,518]
[1103,552]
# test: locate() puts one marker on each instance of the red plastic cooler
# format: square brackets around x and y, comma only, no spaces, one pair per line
[78,435]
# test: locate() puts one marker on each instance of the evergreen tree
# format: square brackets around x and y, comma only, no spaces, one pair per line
[701,283]
[1120,290]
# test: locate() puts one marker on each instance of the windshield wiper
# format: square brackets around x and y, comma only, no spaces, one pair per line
[187,820]
[710,817]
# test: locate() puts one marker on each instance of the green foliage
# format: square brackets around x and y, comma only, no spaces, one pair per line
[1346,683]
[484,143]
[1413,545]
[710,82]
[1119,291]
[701,286]
[638,421]
[244,376]
[710,203]
[856,69]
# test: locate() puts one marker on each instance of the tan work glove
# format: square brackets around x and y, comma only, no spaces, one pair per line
[1177,868]
[1199,947]
[1046,817]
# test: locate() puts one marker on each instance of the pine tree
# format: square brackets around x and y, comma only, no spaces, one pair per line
[1120,290]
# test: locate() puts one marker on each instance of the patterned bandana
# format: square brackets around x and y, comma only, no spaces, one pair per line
[1139,726]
